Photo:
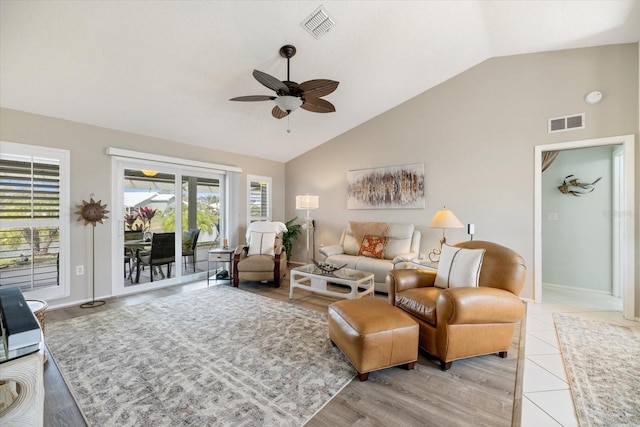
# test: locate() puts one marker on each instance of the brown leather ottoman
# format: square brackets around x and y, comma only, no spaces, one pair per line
[373,334]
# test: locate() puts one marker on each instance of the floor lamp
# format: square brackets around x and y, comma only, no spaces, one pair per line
[307,203]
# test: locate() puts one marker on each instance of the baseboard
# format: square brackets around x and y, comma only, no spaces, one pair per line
[575,288]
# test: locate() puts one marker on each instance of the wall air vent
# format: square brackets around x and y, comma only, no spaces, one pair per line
[561,124]
[318,23]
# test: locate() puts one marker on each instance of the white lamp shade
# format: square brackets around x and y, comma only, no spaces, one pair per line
[444,218]
[307,202]
[288,103]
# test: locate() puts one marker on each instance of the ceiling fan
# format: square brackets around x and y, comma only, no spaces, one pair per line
[291,95]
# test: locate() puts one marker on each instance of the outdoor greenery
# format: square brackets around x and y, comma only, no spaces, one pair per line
[207,217]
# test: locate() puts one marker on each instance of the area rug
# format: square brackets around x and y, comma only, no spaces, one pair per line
[602,362]
[217,356]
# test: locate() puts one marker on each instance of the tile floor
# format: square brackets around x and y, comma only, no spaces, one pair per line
[547,399]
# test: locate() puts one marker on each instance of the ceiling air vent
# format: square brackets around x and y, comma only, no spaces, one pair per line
[318,23]
[561,124]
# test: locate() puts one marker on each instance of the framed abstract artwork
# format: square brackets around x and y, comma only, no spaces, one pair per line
[392,187]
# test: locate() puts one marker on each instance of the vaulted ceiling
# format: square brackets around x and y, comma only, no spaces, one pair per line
[168,68]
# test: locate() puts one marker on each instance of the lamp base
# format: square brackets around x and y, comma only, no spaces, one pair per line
[93,304]
[434,255]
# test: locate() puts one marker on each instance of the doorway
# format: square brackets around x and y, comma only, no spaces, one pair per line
[623,248]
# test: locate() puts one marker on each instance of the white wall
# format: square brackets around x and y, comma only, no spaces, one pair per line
[91,173]
[577,246]
[476,134]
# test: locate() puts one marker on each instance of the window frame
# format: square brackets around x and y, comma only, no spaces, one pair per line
[12,150]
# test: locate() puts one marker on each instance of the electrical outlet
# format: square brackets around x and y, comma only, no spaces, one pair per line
[79,270]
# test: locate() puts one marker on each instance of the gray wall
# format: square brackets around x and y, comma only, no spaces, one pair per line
[91,173]
[476,134]
[577,247]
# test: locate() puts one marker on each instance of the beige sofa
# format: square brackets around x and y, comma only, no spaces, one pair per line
[403,244]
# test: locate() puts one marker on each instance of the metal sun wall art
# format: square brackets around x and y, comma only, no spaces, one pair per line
[393,187]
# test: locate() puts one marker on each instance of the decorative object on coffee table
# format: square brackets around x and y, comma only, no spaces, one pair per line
[92,212]
[327,267]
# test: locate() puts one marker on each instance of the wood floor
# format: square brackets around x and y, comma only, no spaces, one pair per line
[477,391]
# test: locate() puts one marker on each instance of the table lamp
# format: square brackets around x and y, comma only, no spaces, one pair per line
[444,219]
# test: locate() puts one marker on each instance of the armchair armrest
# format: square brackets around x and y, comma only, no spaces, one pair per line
[240,253]
[328,251]
[279,249]
[403,279]
[478,306]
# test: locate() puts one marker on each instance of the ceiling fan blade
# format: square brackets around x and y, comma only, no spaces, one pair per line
[254,98]
[317,105]
[318,88]
[271,82]
[278,113]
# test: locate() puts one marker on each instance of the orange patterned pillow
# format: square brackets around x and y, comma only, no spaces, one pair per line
[373,246]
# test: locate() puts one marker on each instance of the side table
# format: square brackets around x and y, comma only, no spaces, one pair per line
[220,255]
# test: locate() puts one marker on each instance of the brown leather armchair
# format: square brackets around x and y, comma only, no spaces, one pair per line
[457,323]
[260,268]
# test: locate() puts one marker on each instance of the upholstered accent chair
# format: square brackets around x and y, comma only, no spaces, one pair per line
[470,319]
[263,258]
[162,252]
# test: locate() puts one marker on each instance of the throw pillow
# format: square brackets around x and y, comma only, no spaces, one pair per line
[373,246]
[459,267]
[262,243]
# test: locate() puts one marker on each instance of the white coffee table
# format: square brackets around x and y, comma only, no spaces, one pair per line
[313,279]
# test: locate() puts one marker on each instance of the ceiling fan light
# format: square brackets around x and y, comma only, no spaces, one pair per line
[288,103]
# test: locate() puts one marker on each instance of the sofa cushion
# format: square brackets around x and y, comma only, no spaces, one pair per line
[256,263]
[419,302]
[399,243]
[373,246]
[262,243]
[350,245]
[459,268]
[379,267]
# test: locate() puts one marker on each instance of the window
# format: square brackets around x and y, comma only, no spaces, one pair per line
[34,219]
[259,203]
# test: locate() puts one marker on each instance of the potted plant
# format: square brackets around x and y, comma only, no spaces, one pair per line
[293,230]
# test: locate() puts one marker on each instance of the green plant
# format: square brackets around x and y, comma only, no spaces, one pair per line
[293,230]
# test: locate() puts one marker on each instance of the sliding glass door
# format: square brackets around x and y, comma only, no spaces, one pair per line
[200,221]
[171,216]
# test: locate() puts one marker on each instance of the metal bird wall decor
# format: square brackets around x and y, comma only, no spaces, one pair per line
[575,187]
